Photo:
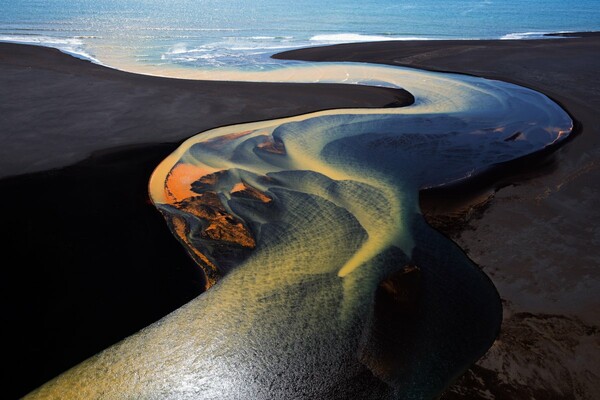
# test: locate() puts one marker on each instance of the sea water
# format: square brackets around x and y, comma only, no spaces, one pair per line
[243,34]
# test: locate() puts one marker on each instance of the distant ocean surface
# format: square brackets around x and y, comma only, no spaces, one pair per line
[243,33]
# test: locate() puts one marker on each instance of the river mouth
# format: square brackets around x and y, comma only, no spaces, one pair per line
[326,280]
[317,218]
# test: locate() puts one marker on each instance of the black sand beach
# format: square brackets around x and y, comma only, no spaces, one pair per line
[536,237]
[90,261]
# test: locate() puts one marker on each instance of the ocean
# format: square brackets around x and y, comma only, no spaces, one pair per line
[241,34]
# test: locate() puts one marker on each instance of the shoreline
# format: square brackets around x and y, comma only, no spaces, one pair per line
[104,133]
[169,110]
[546,214]
[78,171]
[534,35]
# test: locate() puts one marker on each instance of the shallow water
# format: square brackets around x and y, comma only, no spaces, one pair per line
[241,34]
[327,281]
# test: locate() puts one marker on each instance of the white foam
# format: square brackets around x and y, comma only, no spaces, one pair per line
[357,37]
[73,46]
[235,51]
[266,49]
[179,48]
[42,40]
[529,35]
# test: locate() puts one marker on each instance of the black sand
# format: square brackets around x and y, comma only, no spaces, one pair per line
[537,237]
[89,261]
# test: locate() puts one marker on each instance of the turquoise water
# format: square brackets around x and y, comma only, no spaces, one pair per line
[241,33]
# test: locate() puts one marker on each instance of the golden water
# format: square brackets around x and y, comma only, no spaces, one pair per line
[297,221]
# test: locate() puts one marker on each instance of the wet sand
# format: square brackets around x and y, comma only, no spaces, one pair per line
[88,259]
[538,236]
[544,266]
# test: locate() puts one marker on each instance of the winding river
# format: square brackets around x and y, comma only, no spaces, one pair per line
[325,281]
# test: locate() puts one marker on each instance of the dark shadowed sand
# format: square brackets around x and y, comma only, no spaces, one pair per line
[96,262]
[87,260]
[56,110]
[538,237]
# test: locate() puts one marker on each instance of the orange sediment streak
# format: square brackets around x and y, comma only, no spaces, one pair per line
[211,272]
[211,223]
[238,187]
[241,189]
[222,226]
[271,146]
[222,140]
[178,184]
[204,204]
